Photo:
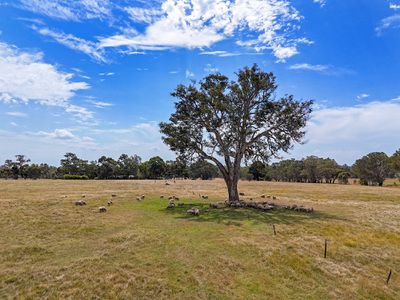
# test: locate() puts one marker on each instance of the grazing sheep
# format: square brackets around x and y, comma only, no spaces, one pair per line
[109,202]
[162,197]
[171,198]
[167,183]
[138,198]
[171,204]
[193,211]
[262,196]
[142,197]
[114,195]
[251,199]
[102,209]
[269,197]
[204,196]
[273,198]
[83,195]
[80,203]
[181,204]
[176,198]
[241,194]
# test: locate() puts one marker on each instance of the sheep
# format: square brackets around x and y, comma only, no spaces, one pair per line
[109,202]
[193,211]
[102,209]
[204,196]
[273,198]
[171,198]
[181,204]
[241,194]
[162,197]
[167,183]
[83,195]
[80,203]
[142,197]
[114,195]
[171,204]
[262,196]
[176,198]
[138,198]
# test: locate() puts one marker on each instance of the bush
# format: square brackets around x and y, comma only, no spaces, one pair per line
[75,177]
[363,181]
[343,177]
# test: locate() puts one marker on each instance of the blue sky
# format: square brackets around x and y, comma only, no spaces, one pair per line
[94,76]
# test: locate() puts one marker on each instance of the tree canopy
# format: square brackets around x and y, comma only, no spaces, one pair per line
[226,122]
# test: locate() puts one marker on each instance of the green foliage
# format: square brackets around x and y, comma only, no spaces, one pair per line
[372,168]
[343,177]
[226,122]
[75,177]
[258,170]
[203,170]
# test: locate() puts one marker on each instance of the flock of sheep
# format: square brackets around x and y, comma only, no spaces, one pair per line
[261,205]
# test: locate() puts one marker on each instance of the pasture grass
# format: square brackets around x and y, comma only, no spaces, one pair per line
[50,248]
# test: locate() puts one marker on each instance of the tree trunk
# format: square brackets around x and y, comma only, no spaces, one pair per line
[232,190]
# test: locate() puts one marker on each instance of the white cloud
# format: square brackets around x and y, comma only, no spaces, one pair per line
[25,77]
[75,43]
[16,114]
[100,104]
[210,69]
[309,67]
[320,2]
[106,74]
[143,15]
[57,134]
[347,133]
[362,96]
[394,6]
[323,69]
[189,74]
[389,22]
[202,23]
[70,10]
[220,53]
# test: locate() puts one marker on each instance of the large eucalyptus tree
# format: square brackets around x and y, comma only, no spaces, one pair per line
[229,122]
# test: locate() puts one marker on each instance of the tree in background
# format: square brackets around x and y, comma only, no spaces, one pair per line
[395,163]
[372,168]
[257,170]
[156,168]
[226,122]
[128,166]
[107,168]
[203,170]
[72,164]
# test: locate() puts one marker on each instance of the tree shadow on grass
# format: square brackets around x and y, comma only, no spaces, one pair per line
[234,216]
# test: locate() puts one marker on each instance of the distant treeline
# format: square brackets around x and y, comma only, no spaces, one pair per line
[371,169]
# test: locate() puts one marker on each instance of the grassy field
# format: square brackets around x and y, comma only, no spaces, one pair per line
[50,248]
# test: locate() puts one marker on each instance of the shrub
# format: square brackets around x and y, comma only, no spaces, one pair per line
[75,177]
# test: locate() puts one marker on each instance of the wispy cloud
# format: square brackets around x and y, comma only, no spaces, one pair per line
[362,96]
[389,22]
[309,67]
[220,53]
[75,43]
[347,133]
[100,104]
[323,69]
[76,10]
[210,69]
[189,74]
[16,114]
[320,2]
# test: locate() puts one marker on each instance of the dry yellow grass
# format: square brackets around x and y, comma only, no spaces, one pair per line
[49,248]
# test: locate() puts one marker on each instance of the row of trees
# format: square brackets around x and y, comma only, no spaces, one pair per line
[372,169]
[125,167]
